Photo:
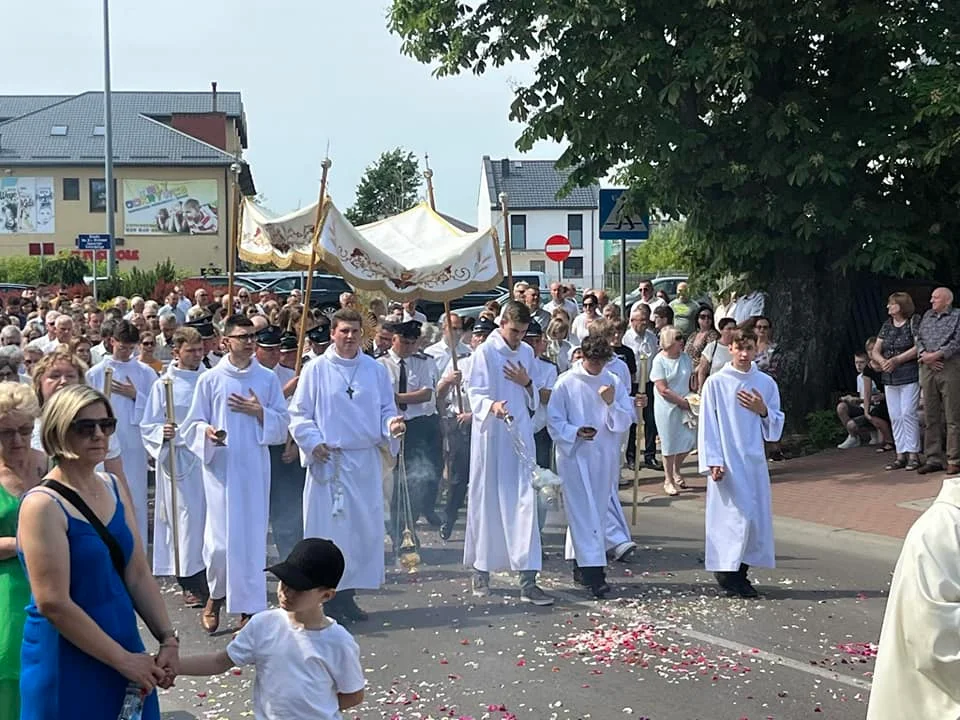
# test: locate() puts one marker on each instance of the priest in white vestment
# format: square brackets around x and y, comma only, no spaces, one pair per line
[191,507]
[918,662]
[342,415]
[241,398]
[502,532]
[128,393]
[739,412]
[589,411]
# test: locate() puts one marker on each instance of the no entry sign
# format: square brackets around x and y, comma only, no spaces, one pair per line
[557,248]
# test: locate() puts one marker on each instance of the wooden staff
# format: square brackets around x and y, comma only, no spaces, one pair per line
[312,265]
[642,387]
[506,241]
[428,174]
[234,240]
[172,470]
[107,382]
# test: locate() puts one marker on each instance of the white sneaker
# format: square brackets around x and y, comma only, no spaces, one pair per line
[850,442]
[874,437]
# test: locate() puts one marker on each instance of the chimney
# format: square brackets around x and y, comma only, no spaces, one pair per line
[213,87]
[505,167]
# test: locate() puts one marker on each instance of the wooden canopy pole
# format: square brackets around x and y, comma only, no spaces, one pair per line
[234,241]
[428,174]
[313,263]
[506,241]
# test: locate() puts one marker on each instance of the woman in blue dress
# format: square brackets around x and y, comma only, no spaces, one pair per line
[670,374]
[81,644]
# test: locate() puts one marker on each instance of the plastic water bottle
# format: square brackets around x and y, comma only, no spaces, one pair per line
[132,708]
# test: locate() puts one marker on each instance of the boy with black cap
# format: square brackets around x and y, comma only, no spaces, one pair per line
[308,666]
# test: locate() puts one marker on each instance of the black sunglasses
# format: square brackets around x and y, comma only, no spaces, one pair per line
[87,427]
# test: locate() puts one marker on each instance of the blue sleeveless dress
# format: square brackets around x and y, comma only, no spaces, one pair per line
[57,680]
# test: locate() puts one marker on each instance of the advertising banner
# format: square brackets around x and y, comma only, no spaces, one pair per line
[26,206]
[170,207]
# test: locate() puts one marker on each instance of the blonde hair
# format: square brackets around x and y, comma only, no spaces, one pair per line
[668,336]
[60,412]
[61,354]
[18,398]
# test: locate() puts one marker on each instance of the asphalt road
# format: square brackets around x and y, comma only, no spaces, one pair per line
[666,646]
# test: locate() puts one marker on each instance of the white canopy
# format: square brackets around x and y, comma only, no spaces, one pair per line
[416,254]
[281,240]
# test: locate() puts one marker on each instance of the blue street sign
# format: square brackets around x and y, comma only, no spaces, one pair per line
[616,223]
[101,241]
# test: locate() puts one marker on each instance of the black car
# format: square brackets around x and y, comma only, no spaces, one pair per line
[325,289]
[433,310]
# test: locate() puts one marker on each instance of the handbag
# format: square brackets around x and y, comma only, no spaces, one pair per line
[72,497]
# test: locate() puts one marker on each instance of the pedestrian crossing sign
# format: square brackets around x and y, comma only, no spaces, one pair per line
[617,221]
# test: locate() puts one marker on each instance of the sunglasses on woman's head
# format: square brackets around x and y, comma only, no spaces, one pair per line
[87,427]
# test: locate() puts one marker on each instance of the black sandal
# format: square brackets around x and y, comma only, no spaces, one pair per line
[912,465]
[886,447]
[898,464]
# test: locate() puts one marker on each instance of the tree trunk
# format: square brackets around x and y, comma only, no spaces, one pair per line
[809,306]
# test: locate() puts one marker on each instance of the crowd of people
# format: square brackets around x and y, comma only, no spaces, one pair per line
[329,451]
[908,387]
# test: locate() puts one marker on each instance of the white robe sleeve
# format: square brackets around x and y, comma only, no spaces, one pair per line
[710,451]
[154,418]
[563,432]
[619,415]
[303,407]
[388,410]
[480,390]
[199,418]
[276,417]
[772,424]
[143,382]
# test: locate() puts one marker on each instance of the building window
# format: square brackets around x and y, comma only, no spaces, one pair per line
[98,195]
[573,268]
[518,232]
[99,130]
[575,231]
[58,130]
[71,188]
[538,266]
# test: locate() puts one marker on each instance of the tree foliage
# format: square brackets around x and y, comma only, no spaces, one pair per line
[389,186]
[815,127]
[800,138]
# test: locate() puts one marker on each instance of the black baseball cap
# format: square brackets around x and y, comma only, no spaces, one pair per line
[313,563]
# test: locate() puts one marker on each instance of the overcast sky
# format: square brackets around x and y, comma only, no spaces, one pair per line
[310,72]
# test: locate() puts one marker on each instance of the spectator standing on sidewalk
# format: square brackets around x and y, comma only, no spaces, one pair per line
[896,352]
[938,347]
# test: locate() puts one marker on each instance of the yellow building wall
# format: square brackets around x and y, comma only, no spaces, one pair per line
[73,217]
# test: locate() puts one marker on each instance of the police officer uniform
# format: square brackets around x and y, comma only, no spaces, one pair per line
[422,445]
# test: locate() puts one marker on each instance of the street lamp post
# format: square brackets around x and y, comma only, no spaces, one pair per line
[108,147]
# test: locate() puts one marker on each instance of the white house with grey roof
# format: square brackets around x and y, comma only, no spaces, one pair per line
[537,212]
[173,184]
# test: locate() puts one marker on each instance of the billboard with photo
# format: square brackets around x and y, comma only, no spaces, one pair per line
[170,207]
[26,206]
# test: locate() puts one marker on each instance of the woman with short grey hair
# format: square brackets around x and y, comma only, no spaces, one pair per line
[11,358]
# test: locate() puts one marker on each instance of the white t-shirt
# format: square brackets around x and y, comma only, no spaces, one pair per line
[718,355]
[299,672]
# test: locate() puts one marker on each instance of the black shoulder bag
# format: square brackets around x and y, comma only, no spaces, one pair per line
[116,552]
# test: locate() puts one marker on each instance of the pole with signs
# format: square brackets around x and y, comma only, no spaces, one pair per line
[94,243]
[623,278]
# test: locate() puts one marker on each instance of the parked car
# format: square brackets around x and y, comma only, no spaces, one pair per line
[669,285]
[223,281]
[325,289]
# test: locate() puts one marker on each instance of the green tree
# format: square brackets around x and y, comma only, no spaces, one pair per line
[388,187]
[803,140]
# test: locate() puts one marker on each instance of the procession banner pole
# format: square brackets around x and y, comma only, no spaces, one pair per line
[107,382]
[301,340]
[234,241]
[172,470]
[506,241]
[642,387]
[428,174]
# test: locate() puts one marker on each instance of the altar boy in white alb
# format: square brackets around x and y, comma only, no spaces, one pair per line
[191,505]
[342,414]
[588,413]
[502,531]
[130,387]
[739,411]
[238,411]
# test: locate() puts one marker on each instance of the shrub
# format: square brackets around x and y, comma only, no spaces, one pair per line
[823,429]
